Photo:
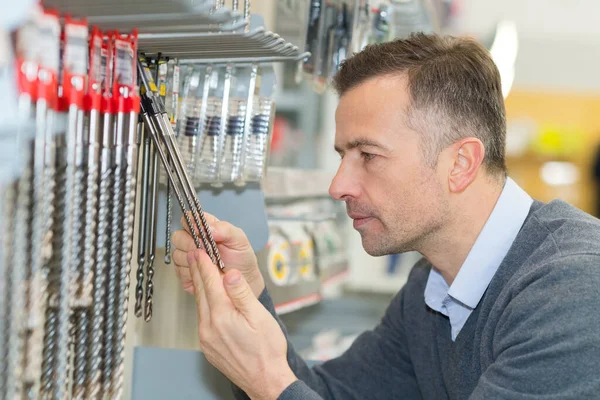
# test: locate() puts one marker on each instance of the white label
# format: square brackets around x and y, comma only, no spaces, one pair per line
[124,62]
[176,79]
[214,79]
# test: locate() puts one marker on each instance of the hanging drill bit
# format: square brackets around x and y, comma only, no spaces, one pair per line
[151,217]
[142,225]
[103,233]
[162,127]
[153,204]
[130,150]
[103,237]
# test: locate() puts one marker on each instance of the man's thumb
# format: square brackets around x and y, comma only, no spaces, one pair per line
[240,292]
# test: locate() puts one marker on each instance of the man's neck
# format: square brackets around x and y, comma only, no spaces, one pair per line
[448,249]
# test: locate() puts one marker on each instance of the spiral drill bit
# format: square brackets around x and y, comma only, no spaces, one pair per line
[142,227]
[8,204]
[154,135]
[80,321]
[49,366]
[101,264]
[39,230]
[152,221]
[112,277]
[83,315]
[161,126]
[67,284]
[197,212]
[19,263]
[169,221]
[129,127]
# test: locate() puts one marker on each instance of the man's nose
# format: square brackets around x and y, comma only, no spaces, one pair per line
[344,184]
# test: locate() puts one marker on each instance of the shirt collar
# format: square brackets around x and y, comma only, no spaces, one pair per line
[486,255]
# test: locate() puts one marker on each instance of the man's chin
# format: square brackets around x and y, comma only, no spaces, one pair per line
[374,248]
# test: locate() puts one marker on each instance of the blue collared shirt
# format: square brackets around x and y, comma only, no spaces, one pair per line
[495,239]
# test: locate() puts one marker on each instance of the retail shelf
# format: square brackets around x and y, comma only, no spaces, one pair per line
[153,16]
[290,183]
[256,45]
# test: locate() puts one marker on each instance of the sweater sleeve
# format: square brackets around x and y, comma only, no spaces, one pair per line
[548,338]
[374,367]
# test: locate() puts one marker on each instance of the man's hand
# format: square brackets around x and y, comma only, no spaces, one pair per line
[234,247]
[237,334]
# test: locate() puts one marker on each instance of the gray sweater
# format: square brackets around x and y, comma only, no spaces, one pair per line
[534,335]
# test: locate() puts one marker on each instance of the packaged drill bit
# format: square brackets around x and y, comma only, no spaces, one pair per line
[193,110]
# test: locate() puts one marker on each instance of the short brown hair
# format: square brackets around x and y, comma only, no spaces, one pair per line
[454,86]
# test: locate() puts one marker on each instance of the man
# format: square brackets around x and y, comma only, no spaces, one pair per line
[505,303]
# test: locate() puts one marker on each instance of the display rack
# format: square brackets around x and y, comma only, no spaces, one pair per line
[256,45]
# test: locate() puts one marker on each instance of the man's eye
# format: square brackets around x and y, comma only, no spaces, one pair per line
[367,156]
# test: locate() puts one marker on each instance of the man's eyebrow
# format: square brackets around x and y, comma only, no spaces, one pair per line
[361,142]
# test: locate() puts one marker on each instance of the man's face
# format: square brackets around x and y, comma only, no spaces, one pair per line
[395,199]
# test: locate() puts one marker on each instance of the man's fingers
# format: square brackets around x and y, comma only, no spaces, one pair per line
[229,235]
[180,257]
[199,289]
[204,271]
[241,295]
[182,240]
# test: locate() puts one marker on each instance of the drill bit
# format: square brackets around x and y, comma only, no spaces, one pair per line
[129,214]
[151,217]
[20,262]
[103,238]
[169,221]
[39,230]
[49,367]
[112,272]
[80,324]
[151,129]
[142,227]
[66,283]
[162,127]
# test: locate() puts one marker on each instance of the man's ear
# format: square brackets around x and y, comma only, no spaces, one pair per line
[468,155]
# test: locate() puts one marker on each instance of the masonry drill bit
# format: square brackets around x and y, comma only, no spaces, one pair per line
[10,195]
[80,322]
[152,131]
[82,362]
[19,262]
[112,271]
[47,40]
[129,140]
[142,225]
[103,236]
[153,207]
[51,334]
[103,232]
[118,274]
[165,131]
[169,221]
[151,217]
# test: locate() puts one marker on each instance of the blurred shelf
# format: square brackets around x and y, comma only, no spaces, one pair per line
[298,304]
[258,45]
[290,183]
[152,16]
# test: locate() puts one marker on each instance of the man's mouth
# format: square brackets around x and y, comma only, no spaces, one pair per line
[359,219]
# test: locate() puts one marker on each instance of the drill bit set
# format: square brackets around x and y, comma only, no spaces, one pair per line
[70,212]
[225,123]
